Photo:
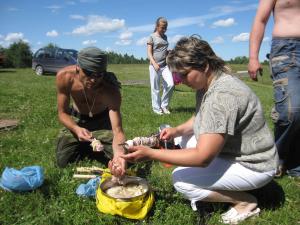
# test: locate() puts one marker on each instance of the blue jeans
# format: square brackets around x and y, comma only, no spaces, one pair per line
[285,68]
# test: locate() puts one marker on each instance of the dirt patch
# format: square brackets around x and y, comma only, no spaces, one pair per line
[6,124]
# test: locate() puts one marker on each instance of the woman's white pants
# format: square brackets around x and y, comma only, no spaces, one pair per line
[168,85]
[196,183]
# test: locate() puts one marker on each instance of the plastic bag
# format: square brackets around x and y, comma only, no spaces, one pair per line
[26,179]
[88,189]
[136,209]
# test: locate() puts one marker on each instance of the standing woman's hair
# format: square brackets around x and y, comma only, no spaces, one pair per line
[194,53]
[160,20]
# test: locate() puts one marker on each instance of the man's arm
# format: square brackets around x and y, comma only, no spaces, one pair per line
[63,101]
[257,33]
[117,165]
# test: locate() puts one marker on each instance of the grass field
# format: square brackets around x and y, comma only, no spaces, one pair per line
[32,100]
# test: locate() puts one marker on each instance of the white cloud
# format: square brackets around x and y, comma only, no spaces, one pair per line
[39,43]
[13,9]
[182,22]
[124,38]
[142,41]
[224,23]
[126,35]
[77,17]
[12,38]
[88,1]
[226,9]
[216,12]
[108,49]
[218,40]
[241,37]
[54,8]
[123,42]
[89,42]
[71,3]
[174,39]
[98,24]
[52,33]
[266,39]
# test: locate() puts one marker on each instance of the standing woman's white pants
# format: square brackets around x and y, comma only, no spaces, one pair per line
[168,85]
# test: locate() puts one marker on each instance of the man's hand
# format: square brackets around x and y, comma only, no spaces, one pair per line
[117,166]
[138,154]
[83,134]
[254,67]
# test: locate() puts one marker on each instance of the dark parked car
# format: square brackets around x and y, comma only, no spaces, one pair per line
[53,59]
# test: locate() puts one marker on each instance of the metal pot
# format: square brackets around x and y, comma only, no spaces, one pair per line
[108,183]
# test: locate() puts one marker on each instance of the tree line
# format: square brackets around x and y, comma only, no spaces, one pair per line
[243,60]
[19,55]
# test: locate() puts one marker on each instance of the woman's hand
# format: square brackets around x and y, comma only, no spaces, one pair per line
[168,133]
[117,166]
[83,134]
[138,154]
[156,67]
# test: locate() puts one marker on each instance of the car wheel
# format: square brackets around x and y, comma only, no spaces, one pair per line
[39,70]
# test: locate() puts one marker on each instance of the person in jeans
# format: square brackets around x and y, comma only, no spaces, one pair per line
[94,113]
[233,149]
[284,61]
[157,49]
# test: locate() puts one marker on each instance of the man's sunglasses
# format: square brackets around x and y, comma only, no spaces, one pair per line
[91,74]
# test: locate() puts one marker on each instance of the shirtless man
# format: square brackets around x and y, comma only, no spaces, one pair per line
[285,70]
[95,111]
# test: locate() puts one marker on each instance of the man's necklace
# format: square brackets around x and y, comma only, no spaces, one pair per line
[87,103]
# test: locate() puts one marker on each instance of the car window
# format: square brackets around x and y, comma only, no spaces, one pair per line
[59,54]
[39,54]
[71,52]
[50,53]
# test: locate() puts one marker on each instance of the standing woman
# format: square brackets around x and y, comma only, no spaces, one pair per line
[157,49]
[235,150]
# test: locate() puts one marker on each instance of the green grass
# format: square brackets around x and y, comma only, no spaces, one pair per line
[32,100]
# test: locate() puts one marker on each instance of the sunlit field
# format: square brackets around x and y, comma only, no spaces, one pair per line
[32,100]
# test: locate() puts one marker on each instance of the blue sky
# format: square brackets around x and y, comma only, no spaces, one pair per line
[123,26]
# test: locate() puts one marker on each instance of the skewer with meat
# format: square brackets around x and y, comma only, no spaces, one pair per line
[151,141]
[97,145]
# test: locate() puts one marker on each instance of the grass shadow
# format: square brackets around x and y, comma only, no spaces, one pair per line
[182,90]
[7,71]
[47,191]
[48,74]
[270,196]
[183,109]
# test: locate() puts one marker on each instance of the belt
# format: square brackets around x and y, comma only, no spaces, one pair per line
[80,116]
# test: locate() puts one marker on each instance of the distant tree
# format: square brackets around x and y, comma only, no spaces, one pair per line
[51,45]
[2,52]
[115,58]
[18,55]
[239,60]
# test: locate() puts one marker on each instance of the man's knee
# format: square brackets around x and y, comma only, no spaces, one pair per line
[66,150]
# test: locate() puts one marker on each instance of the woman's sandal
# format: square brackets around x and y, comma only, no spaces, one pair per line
[233,217]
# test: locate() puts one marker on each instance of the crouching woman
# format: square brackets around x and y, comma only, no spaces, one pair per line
[233,151]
